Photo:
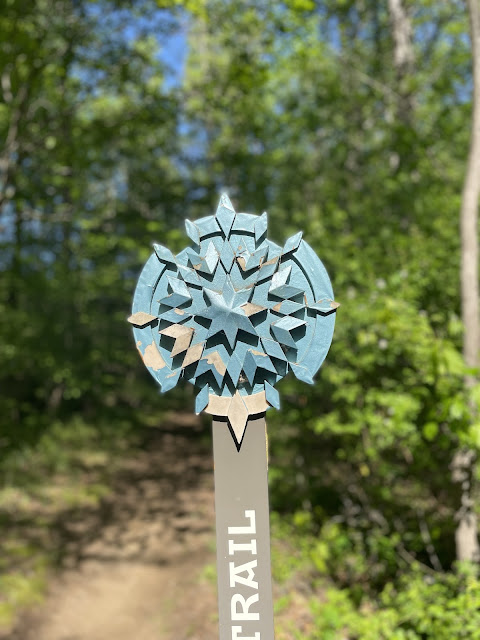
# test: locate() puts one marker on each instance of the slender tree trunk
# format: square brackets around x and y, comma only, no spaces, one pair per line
[403,56]
[466,537]
[402,35]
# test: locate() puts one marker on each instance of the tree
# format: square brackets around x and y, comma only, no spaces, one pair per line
[466,534]
[353,133]
[89,172]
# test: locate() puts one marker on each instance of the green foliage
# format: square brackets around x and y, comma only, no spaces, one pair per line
[443,607]
[85,192]
[19,591]
[421,604]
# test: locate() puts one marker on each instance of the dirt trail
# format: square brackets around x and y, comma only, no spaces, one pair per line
[135,567]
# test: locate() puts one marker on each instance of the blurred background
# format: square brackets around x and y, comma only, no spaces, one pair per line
[349,120]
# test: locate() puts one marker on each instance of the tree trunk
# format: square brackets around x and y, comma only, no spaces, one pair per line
[403,57]
[466,537]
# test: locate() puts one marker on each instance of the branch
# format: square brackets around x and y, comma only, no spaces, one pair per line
[427,541]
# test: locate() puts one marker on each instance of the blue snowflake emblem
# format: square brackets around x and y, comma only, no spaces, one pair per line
[233,314]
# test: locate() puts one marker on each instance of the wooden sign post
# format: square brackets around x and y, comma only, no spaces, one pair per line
[233,314]
[243,533]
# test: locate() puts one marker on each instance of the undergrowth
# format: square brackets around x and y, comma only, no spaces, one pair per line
[67,469]
[419,604]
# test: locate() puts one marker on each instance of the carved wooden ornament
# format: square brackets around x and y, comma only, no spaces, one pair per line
[233,314]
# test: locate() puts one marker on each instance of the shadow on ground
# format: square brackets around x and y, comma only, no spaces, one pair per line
[130,565]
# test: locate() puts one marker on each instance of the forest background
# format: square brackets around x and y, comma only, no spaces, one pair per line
[347,119]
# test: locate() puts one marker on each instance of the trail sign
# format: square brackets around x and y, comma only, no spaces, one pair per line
[233,314]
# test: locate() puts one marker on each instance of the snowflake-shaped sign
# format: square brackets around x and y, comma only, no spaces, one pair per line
[233,314]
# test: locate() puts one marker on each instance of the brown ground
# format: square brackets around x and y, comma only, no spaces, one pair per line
[135,567]
[139,565]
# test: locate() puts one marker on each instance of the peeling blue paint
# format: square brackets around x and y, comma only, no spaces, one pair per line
[253,310]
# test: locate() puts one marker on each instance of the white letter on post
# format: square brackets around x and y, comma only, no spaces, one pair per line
[236,578]
[245,605]
[237,630]
[250,515]
[247,546]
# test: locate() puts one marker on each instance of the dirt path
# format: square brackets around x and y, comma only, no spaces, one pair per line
[136,566]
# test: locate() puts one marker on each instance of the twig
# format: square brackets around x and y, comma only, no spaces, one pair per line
[427,541]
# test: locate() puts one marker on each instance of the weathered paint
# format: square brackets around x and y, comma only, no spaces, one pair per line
[216,360]
[153,358]
[237,409]
[181,335]
[192,355]
[257,403]
[141,319]
[251,309]
[255,360]
[242,310]
[238,417]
